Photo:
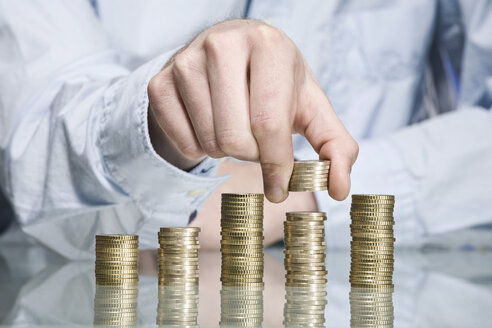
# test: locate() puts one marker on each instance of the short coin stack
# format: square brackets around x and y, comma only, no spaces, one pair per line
[309,176]
[178,306]
[115,306]
[178,256]
[241,306]
[304,307]
[116,260]
[372,244]
[371,308]
[304,237]
[242,240]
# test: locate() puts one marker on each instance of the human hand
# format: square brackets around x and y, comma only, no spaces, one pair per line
[241,88]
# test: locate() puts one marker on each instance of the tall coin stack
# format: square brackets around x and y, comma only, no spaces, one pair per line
[242,240]
[241,306]
[178,256]
[372,244]
[178,306]
[304,307]
[371,308]
[310,176]
[304,237]
[116,260]
[115,306]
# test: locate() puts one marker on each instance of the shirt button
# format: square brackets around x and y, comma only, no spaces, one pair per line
[197,192]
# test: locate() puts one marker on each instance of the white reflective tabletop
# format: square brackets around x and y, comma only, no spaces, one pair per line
[432,289]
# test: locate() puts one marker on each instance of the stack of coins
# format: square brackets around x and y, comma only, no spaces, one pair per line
[372,245]
[178,306]
[304,237]
[116,260]
[178,256]
[304,307]
[241,306]
[242,239]
[309,176]
[115,306]
[371,308]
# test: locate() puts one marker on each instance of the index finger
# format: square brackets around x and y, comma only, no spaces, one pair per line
[271,107]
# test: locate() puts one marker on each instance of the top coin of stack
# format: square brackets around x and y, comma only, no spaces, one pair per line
[116,259]
[242,239]
[372,245]
[178,256]
[304,237]
[309,176]
[115,306]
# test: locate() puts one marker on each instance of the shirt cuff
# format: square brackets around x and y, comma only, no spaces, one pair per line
[166,195]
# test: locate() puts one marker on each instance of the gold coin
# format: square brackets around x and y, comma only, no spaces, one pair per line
[373,243]
[372,205]
[311,163]
[243,196]
[307,188]
[116,237]
[242,233]
[180,229]
[373,249]
[254,254]
[370,197]
[304,234]
[313,215]
[302,252]
[298,184]
[116,251]
[307,223]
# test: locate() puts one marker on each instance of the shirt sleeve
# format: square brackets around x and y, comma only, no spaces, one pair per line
[73,124]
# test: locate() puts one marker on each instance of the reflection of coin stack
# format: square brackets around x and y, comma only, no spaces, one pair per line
[116,260]
[178,306]
[242,239]
[371,308]
[305,307]
[241,306]
[373,241]
[304,236]
[115,306]
[309,176]
[178,256]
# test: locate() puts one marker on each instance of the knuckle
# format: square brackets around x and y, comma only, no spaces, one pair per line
[269,35]
[153,86]
[212,148]
[263,123]
[354,147]
[191,151]
[216,43]
[183,63]
[231,142]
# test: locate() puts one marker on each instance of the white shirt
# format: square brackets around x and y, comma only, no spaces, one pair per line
[75,154]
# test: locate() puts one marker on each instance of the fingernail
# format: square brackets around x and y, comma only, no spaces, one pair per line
[276,194]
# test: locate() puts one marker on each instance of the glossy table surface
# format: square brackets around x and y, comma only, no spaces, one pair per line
[432,289]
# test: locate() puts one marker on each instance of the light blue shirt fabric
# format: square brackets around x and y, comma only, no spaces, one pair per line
[75,154]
